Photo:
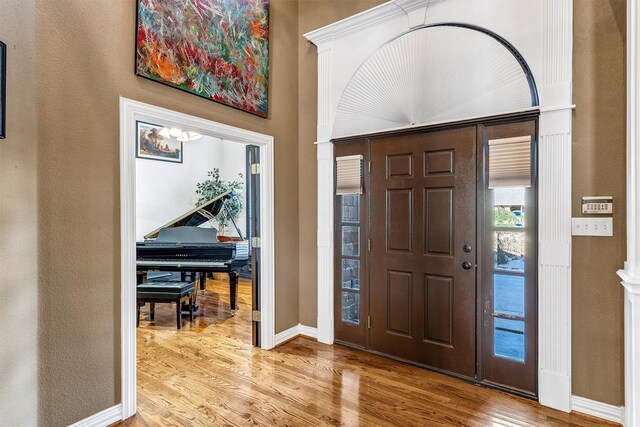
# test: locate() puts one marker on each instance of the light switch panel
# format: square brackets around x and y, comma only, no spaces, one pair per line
[592,227]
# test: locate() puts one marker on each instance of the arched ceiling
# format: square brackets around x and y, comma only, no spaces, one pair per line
[434,74]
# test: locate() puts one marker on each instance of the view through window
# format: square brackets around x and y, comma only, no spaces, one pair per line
[508,277]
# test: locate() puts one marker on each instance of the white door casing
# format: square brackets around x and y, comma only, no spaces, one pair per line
[541,32]
[130,112]
[630,275]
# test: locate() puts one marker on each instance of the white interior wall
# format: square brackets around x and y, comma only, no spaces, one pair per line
[234,157]
[166,190]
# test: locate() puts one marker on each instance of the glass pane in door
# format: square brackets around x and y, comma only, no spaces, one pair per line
[509,250]
[351,240]
[351,208]
[350,274]
[351,307]
[508,294]
[509,338]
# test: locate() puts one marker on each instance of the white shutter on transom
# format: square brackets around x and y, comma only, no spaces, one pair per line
[510,162]
[349,175]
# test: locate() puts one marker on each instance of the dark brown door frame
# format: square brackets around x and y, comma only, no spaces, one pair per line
[364,140]
[253,228]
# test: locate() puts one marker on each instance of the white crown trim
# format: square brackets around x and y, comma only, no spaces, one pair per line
[355,23]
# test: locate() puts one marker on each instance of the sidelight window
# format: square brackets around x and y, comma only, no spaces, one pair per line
[508,184]
[509,273]
[509,255]
[350,262]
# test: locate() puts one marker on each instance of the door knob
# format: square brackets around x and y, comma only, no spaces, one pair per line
[466,248]
[466,265]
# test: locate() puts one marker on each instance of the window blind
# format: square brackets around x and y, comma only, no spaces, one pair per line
[349,174]
[510,162]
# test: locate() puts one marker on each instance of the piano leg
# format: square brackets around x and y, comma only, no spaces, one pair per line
[192,298]
[233,291]
[191,277]
[203,282]
[179,314]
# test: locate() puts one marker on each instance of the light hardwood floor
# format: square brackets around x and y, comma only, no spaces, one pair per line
[208,374]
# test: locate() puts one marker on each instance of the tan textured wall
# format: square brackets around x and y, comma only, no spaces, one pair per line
[599,170]
[85,62]
[18,222]
[313,15]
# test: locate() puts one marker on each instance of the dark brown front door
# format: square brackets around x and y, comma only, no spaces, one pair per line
[423,248]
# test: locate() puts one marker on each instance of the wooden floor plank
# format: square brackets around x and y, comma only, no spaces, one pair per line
[208,374]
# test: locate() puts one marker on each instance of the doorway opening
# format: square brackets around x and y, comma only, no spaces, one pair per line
[436,255]
[254,310]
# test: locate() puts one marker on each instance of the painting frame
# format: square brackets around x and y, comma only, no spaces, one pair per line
[3,90]
[239,98]
[149,155]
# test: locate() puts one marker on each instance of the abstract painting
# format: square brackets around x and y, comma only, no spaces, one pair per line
[217,49]
[152,145]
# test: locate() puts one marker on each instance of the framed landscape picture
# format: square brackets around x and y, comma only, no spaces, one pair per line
[3,90]
[217,49]
[152,145]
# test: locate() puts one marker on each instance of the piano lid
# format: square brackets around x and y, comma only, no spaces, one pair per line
[196,216]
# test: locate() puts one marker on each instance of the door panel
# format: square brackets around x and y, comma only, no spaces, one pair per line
[438,208]
[400,165]
[438,162]
[399,219]
[422,213]
[399,285]
[438,305]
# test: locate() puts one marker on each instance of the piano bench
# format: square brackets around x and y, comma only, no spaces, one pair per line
[163,292]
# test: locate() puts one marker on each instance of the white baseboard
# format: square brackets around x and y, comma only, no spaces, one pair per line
[102,419]
[287,334]
[295,331]
[309,331]
[554,390]
[598,409]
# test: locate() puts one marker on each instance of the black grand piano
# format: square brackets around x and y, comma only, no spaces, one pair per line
[182,246]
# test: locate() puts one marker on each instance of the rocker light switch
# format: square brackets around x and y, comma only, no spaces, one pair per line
[592,227]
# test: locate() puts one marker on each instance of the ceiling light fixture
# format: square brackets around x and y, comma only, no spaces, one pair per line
[179,134]
[188,136]
[165,133]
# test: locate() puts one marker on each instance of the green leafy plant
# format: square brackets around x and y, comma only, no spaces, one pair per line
[504,217]
[214,186]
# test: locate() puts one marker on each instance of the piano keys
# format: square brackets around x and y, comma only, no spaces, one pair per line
[182,246]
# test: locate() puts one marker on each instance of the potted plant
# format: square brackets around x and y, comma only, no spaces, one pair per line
[214,186]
